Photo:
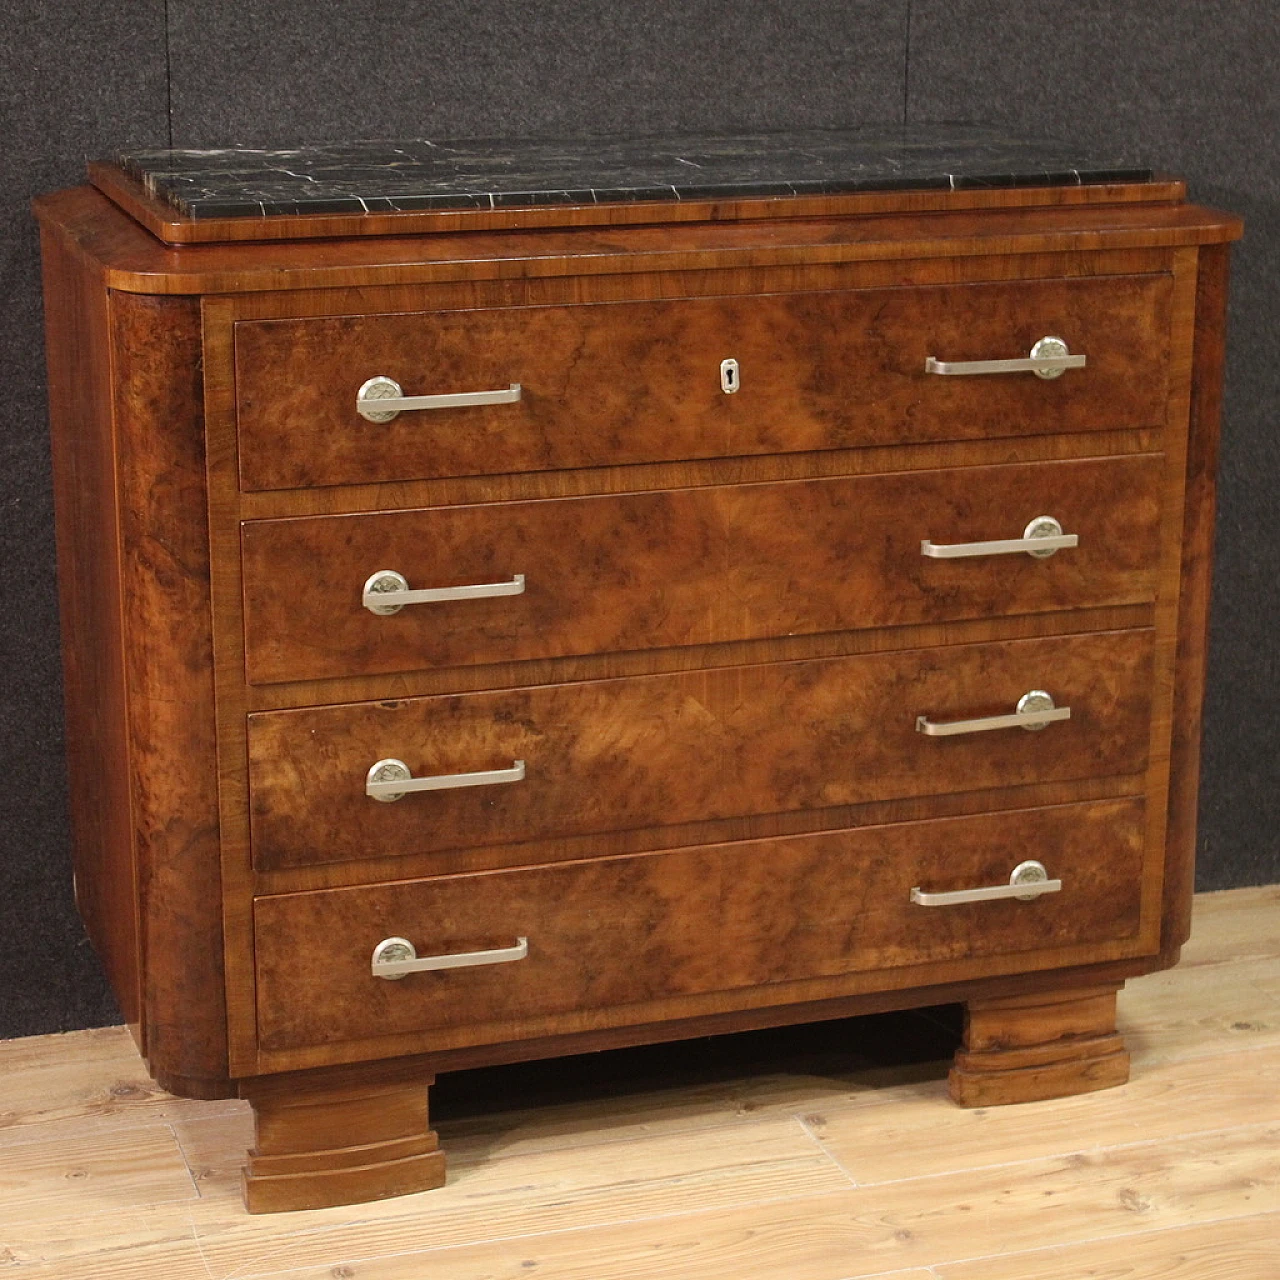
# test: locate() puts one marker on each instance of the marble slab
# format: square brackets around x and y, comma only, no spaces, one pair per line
[417,174]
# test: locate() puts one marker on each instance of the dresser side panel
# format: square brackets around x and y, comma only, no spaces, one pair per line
[1193,612]
[89,602]
[169,665]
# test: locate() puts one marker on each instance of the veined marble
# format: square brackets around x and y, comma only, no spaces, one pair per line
[415,174]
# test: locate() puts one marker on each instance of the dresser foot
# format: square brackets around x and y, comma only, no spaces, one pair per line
[339,1137]
[1027,1048]
[193,1086]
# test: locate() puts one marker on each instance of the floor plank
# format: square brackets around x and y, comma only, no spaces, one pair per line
[94,1077]
[917,1223]
[1201,1010]
[1237,1249]
[526,1194]
[150,1242]
[1234,924]
[537,1192]
[1165,1100]
[85,1174]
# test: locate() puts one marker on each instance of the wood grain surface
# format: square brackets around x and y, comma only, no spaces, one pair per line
[1195,574]
[350,1137]
[133,260]
[629,931]
[640,382]
[693,566]
[1029,1048]
[617,754]
[169,669]
[86,524]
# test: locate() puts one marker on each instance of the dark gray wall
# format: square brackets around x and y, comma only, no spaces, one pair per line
[1190,87]
[77,79]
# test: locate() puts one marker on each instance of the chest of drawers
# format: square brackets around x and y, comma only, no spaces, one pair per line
[501,633]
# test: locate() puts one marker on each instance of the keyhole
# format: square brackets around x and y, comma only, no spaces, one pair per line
[728,376]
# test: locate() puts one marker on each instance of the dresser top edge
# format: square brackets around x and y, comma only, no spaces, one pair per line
[131,259]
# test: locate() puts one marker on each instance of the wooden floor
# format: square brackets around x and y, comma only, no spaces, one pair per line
[795,1166]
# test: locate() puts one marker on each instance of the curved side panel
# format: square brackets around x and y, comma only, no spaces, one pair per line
[89,605]
[159,425]
[1193,609]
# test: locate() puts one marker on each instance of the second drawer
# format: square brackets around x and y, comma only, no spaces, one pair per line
[652,751]
[692,566]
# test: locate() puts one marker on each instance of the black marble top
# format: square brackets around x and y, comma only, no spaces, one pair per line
[416,174]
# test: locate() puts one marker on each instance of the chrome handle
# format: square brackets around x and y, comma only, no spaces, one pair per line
[1028,881]
[1040,539]
[387,592]
[1048,359]
[381,399]
[1035,709]
[395,957]
[391,779]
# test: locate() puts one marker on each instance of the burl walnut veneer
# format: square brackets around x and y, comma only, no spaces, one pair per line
[743,692]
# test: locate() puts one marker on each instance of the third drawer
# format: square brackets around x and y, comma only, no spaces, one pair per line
[605,756]
[693,566]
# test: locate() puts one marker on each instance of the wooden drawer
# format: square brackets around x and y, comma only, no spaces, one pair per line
[639,930]
[693,566]
[650,751]
[626,382]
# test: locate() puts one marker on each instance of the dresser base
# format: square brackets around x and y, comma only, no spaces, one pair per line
[357,1133]
[1028,1048]
[341,1137]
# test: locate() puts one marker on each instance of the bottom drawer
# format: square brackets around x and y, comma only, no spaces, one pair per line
[647,928]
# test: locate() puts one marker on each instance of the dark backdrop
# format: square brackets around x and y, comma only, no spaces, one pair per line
[1187,85]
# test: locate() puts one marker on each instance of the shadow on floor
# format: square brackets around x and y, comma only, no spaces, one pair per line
[838,1049]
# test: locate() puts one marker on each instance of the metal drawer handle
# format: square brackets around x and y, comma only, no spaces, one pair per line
[1040,539]
[1035,710]
[382,398]
[396,957]
[392,779]
[1048,359]
[1028,881]
[387,592]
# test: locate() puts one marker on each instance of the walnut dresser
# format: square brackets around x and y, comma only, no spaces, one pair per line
[524,599]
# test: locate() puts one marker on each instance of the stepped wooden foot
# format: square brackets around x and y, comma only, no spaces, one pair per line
[1028,1048]
[339,1137]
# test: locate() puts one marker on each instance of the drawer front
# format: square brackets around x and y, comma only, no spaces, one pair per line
[637,930]
[693,566]
[650,751]
[608,383]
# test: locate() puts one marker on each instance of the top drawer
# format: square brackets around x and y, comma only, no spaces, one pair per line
[631,382]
